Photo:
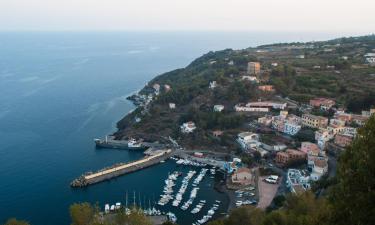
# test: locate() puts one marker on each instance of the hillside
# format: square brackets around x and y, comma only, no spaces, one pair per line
[336,69]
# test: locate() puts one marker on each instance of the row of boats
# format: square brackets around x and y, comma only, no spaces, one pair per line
[209,215]
[188,162]
[194,191]
[168,188]
[168,195]
[185,183]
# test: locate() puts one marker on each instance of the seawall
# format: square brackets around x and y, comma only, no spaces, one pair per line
[121,169]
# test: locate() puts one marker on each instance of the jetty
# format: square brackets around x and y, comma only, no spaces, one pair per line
[116,170]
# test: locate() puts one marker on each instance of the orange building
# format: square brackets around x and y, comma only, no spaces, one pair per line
[289,156]
[267,88]
[253,68]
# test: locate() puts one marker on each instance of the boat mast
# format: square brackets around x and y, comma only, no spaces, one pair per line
[126,200]
[134,199]
[144,201]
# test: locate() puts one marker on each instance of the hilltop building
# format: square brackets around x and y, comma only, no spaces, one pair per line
[218,108]
[188,127]
[213,84]
[167,87]
[253,79]
[253,68]
[172,105]
[266,88]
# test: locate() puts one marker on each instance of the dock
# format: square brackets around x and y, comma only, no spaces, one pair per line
[122,168]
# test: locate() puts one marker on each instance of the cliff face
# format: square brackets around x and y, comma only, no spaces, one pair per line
[336,69]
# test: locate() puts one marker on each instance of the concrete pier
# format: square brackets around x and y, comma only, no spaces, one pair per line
[121,169]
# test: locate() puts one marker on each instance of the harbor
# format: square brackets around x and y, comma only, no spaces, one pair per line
[186,196]
[181,195]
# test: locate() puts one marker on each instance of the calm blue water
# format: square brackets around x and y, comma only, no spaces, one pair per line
[58,91]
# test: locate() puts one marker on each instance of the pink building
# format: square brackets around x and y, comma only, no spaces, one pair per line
[343,140]
[310,148]
[267,88]
[323,103]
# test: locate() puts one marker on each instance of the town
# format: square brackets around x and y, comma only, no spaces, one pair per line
[243,114]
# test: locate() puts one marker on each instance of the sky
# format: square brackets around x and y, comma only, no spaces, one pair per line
[355,16]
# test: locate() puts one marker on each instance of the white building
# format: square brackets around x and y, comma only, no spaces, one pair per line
[321,137]
[297,182]
[259,106]
[250,78]
[300,56]
[172,105]
[157,88]
[291,128]
[246,108]
[213,84]
[248,140]
[188,127]
[274,105]
[370,60]
[218,108]
[320,167]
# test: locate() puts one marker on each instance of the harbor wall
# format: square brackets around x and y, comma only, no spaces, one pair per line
[116,171]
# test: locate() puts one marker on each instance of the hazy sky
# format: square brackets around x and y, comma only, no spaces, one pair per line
[356,16]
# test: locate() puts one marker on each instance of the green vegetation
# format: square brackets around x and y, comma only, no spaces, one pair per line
[86,214]
[16,222]
[323,72]
[353,196]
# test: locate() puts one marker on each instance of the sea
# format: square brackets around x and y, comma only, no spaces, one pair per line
[60,90]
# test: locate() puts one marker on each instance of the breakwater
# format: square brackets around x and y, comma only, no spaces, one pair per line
[121,169]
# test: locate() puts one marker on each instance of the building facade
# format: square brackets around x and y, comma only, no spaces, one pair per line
[253,68]
[313,121]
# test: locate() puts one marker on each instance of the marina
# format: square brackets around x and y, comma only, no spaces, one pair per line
[174,203]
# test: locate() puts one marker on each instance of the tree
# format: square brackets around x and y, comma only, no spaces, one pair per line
[136,217]
[14,221]
[353,196]
[82,213]
[169,223]
[245,216]
[306,209]
[217,222]
[305,134]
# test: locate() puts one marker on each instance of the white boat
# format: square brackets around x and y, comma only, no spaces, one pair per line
[168,188]
[106,208]
[132,143]
[209,215]
[172,217]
